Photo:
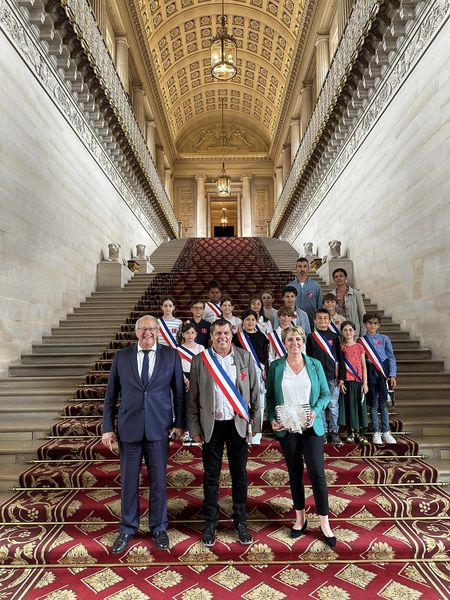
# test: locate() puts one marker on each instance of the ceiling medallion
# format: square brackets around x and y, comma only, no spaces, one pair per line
[223,53]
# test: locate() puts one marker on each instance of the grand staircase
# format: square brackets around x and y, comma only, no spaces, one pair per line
[388,505]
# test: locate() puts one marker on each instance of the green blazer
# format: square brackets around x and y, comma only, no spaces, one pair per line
[320,393]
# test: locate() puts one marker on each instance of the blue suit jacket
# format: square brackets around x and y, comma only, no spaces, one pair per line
[320,393]
[151,411]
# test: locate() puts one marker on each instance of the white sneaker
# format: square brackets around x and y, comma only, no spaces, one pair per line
[377,438]
[389,438]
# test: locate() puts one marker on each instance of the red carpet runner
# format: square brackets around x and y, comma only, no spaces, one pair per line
[389,515]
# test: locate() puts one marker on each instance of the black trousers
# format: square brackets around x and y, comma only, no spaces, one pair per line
[225,433]
[310,447]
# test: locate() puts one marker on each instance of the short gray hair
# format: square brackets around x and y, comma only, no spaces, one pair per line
[145,317]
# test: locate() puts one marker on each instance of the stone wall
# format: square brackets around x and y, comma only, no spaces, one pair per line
[58,212]
[391,205]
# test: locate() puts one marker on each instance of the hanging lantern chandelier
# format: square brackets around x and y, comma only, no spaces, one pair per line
[223,53]
[223,181]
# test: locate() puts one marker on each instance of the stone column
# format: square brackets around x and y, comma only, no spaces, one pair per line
[322,60]
[295,138]
[99,10]
[151,138]
[201,206]
[286,153]
[138,106]
[344,8]
[168,184]
[122,64]
[160,161]
[306,106]
[246,206]
[278,183]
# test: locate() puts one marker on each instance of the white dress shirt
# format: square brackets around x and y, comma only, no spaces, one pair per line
[151,360]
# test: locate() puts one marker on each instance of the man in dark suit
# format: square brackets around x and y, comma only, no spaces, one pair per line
[149,379]
[215,420]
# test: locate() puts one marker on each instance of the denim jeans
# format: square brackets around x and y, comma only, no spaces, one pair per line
[332,409]
[379,406]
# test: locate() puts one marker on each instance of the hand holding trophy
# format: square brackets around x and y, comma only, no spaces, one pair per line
[293,419]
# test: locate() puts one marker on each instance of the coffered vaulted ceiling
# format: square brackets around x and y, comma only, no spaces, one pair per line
[178,35]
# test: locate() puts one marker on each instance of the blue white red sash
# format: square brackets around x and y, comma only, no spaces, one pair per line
[215,308]
[277,344]
[334,328]
[185,353]
[167,335]
[324,344]
[247,345]
[351,369]
[372,354]
[225,384]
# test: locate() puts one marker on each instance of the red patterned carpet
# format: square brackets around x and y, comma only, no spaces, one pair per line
[389,514]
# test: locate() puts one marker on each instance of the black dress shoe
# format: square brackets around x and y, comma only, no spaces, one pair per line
[296,533]
[209,535]
[245,537]
[121,542]
[161,539]
[329,540]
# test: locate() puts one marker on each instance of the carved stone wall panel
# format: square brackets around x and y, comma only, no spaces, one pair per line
[261,193]
[185,209]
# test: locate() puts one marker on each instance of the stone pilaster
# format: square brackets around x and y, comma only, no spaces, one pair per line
[150,138]
[295,137]
[122,62]
[138,106]
[286,155]
[306,106]
[201,205]
[322,59]
[246,205]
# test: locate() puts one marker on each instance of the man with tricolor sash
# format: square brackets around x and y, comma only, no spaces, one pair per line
[223,403]
[381,376]
[324,345]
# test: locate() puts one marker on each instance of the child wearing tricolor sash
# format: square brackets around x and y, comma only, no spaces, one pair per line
[187,350]
[336,320]
[169,326]
[263,324]
[285,316]
[325,346]
[255,342]
[381,376]
[352,403]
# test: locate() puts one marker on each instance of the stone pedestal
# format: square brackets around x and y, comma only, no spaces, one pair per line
[326,270]
[112,275]
[145,266]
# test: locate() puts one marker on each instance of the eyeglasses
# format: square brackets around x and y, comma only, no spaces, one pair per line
[152,329]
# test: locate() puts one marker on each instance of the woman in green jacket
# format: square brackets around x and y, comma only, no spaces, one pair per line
[297,383]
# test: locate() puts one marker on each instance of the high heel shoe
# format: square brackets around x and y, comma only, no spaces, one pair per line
[296,533]
[330,541]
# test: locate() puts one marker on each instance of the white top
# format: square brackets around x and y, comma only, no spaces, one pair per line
[209,314]
[236,323]
[151,360]
[271,314]
[185,364]
[264,326]
[174,327]
[296,388]
[223,409]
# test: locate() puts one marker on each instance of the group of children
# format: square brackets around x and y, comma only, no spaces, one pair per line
[360,373]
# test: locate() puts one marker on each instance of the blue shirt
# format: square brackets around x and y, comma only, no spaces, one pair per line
[383,346]
[309,296]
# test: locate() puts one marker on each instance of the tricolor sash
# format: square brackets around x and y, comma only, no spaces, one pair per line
[277,344]
[247,345]
[222,380]
[372,354]
[334,328]
[351,369]
[167,335]
[215,308]
[324,344]
[185,353]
